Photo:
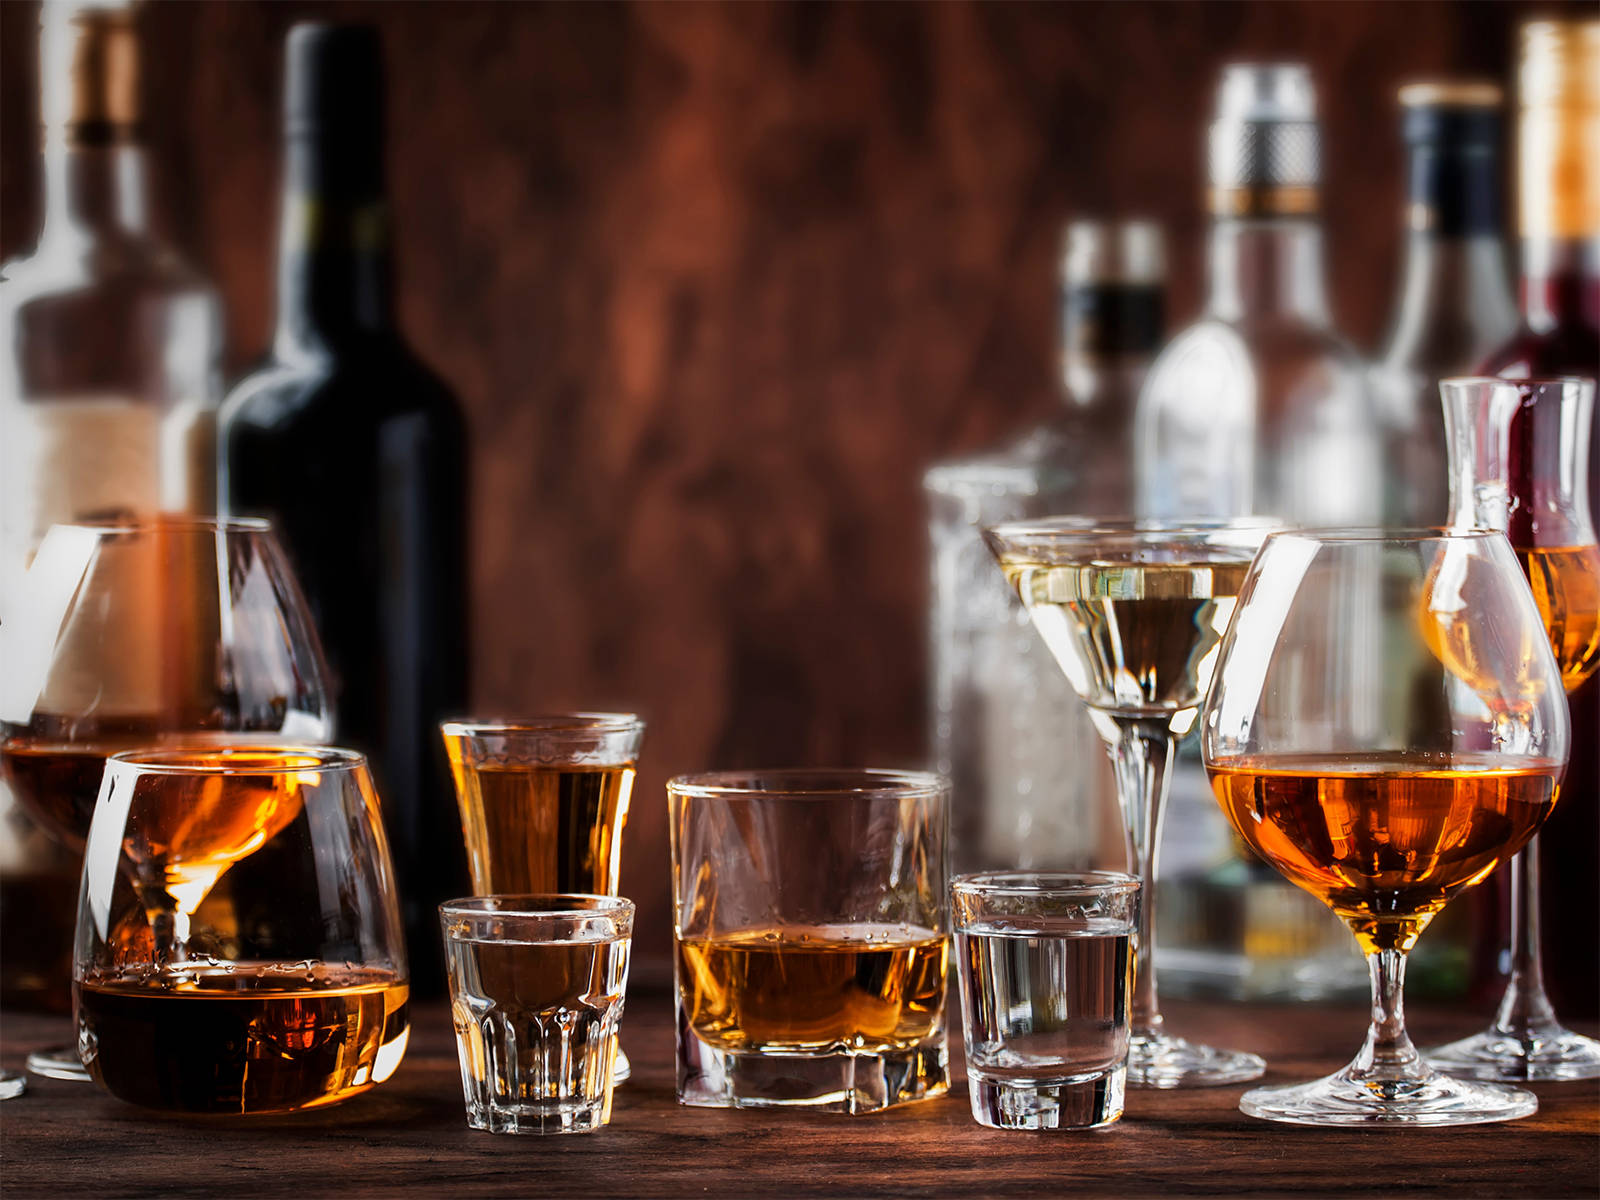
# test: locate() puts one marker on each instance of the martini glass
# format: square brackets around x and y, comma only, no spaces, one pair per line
[1519,458]
[1133,612]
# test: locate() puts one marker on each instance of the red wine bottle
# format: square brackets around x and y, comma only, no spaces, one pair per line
[356,451]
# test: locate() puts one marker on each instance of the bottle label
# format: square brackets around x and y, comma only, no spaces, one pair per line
[86,457]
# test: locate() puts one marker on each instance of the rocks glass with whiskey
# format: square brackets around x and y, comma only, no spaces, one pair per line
[810,921]
[536,991]
[1519,462]
[1045,961]
[1385,727]
[543,802]
[1132,611]
[239,946]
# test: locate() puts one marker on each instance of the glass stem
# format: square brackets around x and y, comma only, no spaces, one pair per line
[1525,1009]
[1142,756]
[1388,1055]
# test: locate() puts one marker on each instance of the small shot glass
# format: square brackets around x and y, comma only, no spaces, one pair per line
[536,991]
[1045,963]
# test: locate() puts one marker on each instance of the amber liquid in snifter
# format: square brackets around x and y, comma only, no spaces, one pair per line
[257,1038]
[1386,840]
[540,829]
[800,989]
[235,1037]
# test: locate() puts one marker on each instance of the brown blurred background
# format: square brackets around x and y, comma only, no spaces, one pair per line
[715,282]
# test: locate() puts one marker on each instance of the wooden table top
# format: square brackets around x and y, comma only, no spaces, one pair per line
[409,1135]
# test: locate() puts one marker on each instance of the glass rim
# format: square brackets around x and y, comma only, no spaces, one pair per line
[1532,381]
[1144,528]
[1335,535]
[1044,884]
[539,906]
[209,759]
[175,521]
[805,783]
[543,724]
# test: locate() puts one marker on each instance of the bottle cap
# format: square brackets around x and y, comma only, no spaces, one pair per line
[1452,114]
[1112,252]
[1265,153]
[334,87]
[1558,129]
[89,66]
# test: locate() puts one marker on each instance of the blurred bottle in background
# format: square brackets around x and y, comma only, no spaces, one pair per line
[1032,785]
[1455,303]
[357,453]
[107,398]
[1261,407]
[1558,217]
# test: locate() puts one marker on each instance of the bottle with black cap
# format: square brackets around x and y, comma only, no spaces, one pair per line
[1455,302]
[357,452]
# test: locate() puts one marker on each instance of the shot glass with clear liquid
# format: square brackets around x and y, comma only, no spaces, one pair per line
[1045,964]
[536,991]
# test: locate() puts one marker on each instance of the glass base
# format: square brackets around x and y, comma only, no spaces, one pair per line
[12,1085]
[58,1062]
[502,1116]
[622,1068]
[1549,1053]
[1084,1102]
[861,1082]
[1169,1062]
[1430,1099]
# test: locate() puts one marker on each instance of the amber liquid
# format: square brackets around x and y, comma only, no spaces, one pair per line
[1566,586]
[535,828]
[1131,637]
[1384,840]
[57,783]
[258,1039]
[820,988]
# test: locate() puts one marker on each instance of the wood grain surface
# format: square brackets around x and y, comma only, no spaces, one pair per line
[408,1137]
[715,282]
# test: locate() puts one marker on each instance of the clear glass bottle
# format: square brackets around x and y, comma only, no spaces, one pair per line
[108,394]
[1259,408]
[1455,302]
[1031,784]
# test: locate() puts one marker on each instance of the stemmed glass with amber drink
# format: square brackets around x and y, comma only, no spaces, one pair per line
[239,947]
[168,631]
[1385,727]
[1519,462]
[1132,611]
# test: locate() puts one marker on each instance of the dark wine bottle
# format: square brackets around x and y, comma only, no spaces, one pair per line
[1558,193]
[356,451]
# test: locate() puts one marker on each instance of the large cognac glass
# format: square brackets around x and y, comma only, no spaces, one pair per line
[1385,727]
[167,631]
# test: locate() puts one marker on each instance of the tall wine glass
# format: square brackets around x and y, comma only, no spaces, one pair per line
[1132,612]
[168,630]
[1519,462]
[1385,727]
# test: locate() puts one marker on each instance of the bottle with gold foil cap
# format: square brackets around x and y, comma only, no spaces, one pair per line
[1558,130]
[108,393]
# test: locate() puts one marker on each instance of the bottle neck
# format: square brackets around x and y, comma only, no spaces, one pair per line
[1266,267]
[94,191]
[1560,285]
[334,265]
[1110,331]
